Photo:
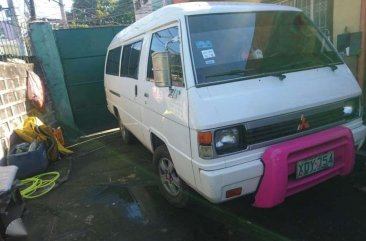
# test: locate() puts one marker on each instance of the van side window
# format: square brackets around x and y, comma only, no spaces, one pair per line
[130,60]
[112,66]
[160,41]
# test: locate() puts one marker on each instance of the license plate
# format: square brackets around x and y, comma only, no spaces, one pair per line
[315,164]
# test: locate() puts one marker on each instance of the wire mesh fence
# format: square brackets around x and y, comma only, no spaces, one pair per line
[14,37]
[316,10]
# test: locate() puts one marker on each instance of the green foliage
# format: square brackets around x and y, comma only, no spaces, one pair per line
[73,24]
[101,12]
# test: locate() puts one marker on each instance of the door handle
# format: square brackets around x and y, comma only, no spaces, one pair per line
[135,90]
[146,95]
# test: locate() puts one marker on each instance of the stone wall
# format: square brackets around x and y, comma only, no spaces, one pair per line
[14,106]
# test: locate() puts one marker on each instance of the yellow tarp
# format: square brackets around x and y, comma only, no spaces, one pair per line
[28,132]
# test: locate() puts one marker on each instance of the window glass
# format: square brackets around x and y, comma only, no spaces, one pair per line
[112,67]
[130,60]
[236,46]
[163,41]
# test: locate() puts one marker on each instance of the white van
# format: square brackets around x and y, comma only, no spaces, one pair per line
[234,99]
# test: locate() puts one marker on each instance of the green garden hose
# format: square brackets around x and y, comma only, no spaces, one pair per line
[39,185]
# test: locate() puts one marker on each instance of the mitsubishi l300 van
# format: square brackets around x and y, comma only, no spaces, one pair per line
[235,99]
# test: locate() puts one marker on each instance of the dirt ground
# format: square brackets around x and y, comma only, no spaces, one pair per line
[111,195]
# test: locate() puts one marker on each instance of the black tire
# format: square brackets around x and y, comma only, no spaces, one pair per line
[174,190]
[127,136]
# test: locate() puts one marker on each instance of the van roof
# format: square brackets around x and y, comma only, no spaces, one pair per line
[174,12]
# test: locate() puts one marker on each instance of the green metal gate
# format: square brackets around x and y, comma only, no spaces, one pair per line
[82,52]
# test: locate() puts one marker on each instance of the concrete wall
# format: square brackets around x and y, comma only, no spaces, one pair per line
[14,106]
[346,14]
[12,96]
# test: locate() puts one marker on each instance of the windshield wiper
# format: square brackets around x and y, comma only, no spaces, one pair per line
[240,72]
[281,76]
[290,67]
[331,65]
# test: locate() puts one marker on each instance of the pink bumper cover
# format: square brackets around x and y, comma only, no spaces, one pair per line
[280,160]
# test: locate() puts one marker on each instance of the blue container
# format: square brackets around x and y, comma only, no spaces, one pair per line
[30,163]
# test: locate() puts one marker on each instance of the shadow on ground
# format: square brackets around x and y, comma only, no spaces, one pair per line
[111,195]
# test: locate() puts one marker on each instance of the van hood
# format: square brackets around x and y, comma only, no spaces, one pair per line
[242,101]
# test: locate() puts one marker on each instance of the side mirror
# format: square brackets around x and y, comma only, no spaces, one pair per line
[161,68]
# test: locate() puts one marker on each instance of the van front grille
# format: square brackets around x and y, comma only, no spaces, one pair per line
[297,123]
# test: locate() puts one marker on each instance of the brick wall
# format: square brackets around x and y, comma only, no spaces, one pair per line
[14,107]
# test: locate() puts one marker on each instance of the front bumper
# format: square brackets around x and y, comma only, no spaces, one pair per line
[359,134]
[279,178]
[213,184]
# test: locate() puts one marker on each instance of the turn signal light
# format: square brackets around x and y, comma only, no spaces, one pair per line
[205,138]
[233,192]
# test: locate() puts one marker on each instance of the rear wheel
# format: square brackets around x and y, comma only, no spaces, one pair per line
[127,136]
[171,186]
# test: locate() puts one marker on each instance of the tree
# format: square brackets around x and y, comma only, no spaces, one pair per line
[102,12]
[124,12]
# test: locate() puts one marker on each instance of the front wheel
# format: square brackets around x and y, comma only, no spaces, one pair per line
[171,186]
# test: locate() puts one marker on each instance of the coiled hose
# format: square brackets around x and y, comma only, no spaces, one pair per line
[39,185]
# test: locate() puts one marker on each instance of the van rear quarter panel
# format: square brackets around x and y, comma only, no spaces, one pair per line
[123,99]
[110,84]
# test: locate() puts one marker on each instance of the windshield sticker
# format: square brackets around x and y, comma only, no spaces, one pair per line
[211,61]
[208,53]
[203,44]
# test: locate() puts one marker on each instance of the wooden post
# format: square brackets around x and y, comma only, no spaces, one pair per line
[362,58]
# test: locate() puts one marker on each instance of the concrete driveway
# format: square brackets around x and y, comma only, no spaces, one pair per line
[111,195]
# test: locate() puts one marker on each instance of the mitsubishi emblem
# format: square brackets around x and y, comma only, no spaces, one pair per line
[304,124]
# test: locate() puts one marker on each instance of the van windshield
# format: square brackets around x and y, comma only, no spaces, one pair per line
[235,46]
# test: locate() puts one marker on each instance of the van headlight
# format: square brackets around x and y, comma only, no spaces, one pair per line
[229,140]
[212,143]
[351,108]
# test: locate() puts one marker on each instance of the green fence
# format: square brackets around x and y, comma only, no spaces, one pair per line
[82,52]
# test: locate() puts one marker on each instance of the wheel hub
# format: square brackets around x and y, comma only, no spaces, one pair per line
[168,176]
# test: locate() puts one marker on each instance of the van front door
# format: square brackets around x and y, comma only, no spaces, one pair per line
[165,109]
